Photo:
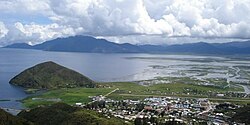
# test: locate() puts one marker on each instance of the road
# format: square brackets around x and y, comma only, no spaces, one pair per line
[139,113]
[111,92]
[209,107]
[246,89]
[106,95]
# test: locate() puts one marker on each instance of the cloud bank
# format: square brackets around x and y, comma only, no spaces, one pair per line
[135,21]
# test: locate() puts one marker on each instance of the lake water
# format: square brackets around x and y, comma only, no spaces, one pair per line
[105,67]
[99,67]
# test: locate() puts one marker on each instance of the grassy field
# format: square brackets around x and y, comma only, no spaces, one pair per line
[69,96]
[126,90]
[161,89]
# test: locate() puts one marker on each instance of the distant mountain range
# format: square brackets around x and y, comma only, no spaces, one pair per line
[92,45]
[81,44]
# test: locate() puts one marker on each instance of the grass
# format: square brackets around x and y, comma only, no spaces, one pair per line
[219,84]
[134,91]
[177,88]
[127,90]
[69,96]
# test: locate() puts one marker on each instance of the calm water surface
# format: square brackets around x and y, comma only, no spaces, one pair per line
[103,67]
[99,67]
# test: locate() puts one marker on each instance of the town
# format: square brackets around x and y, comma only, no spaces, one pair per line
[161,110]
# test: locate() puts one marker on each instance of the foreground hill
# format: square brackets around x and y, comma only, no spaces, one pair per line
[8,119]
[50,75]
[63,114]
[242,115]
[58,114]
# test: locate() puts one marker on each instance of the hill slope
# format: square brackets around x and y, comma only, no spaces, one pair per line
[8,119]
[49,75]
[242,115]
[63,114]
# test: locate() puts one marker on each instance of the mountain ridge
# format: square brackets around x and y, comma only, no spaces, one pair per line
[89,44]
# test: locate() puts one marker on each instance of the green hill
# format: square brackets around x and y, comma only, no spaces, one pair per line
[49,75]
[58,114]
[8,119]
[63,114]
[242,115]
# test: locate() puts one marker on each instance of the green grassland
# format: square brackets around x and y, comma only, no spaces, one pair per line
[67,95]
[135,91]
[127,90]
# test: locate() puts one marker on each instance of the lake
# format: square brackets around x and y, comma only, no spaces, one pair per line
[117,67]
[99,67]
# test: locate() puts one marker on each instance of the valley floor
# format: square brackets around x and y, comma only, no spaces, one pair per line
[195,99]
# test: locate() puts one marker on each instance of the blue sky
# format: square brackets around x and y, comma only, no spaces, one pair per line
[133,21]
[25,19]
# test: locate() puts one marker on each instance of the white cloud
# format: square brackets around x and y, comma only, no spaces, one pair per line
[25,7]
[43,32]
[118,19]
[34,33]
[3,30]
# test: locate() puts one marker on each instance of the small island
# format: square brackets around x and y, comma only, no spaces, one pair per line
[50,75]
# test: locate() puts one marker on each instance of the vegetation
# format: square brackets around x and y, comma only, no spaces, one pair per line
[8,119]
[237,114]
[217,83]
[242,115]
[129,90]
[166,89]
[69,96]
[63,114]
[49,75]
